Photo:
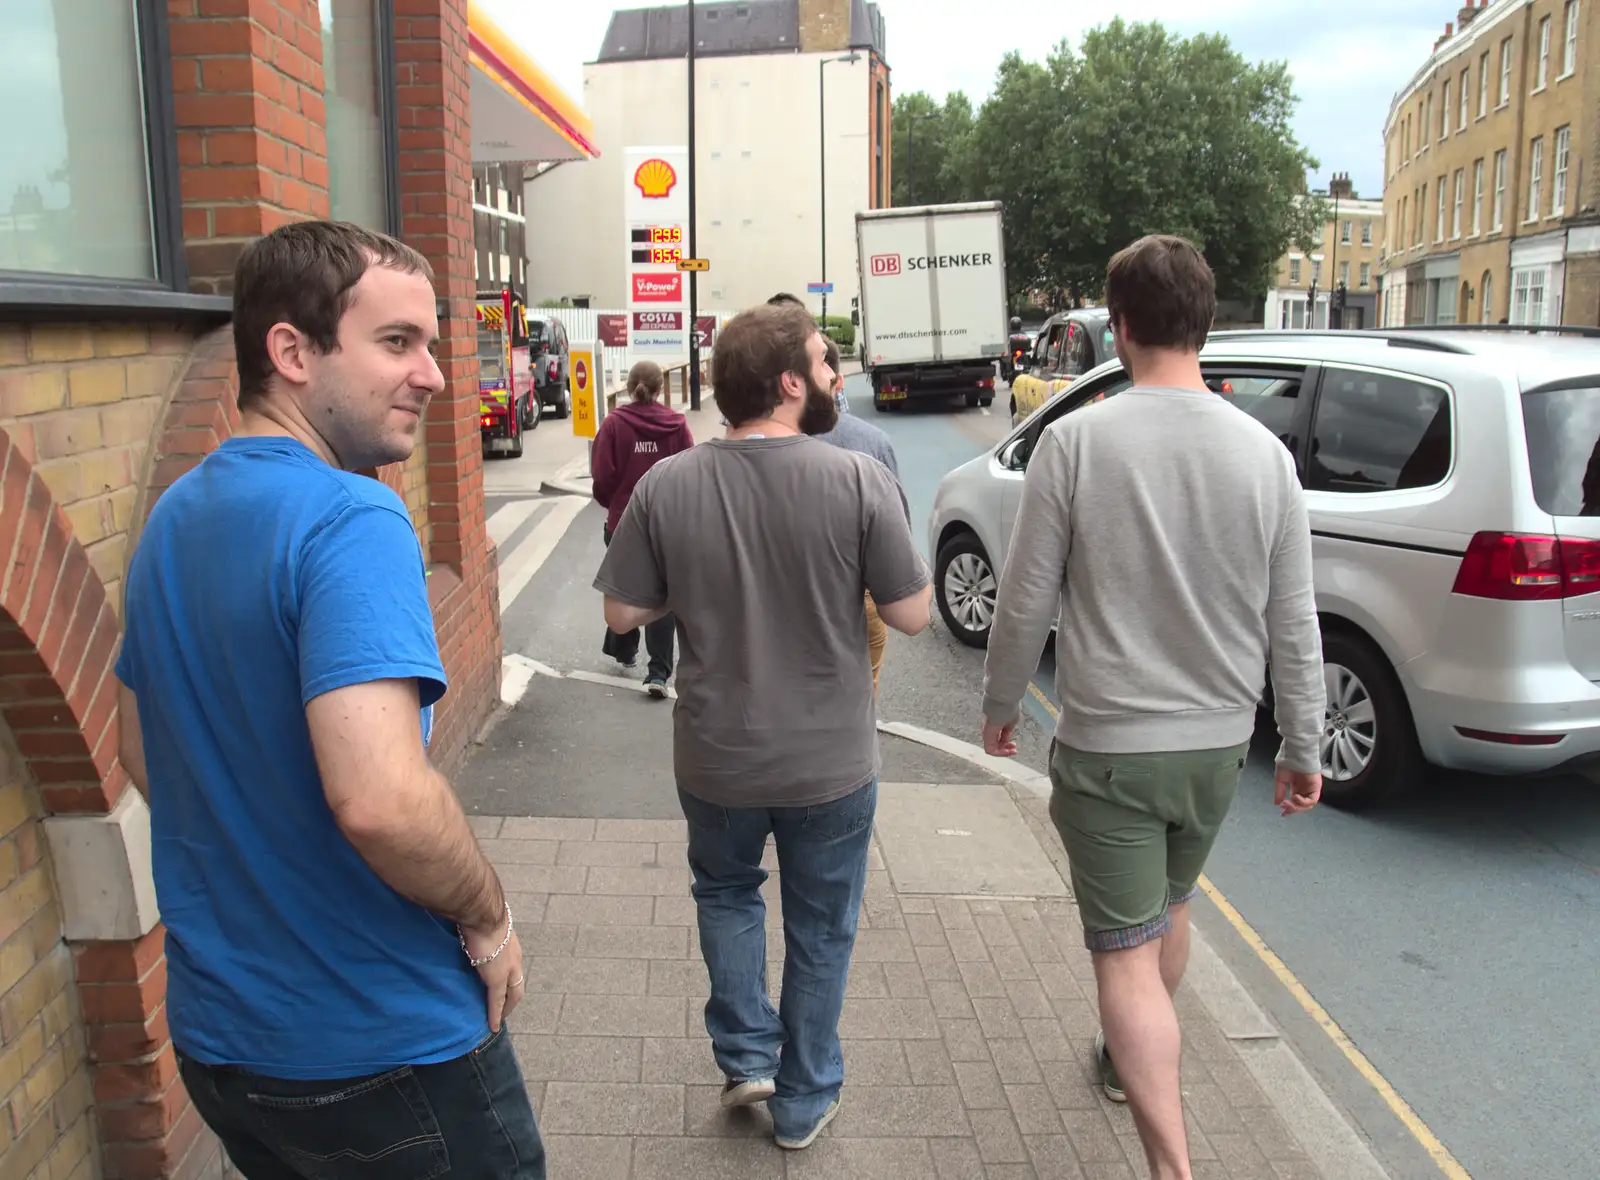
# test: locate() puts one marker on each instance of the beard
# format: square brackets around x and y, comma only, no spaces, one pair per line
[821,413]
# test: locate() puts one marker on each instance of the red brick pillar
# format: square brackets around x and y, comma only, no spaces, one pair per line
[433,85]
[252,145]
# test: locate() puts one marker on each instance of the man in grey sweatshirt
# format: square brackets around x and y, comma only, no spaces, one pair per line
[1169,530]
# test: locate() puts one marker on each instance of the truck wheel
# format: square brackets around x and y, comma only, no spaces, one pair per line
[1369,743]
[973,401]
[986,401]
[564,410]
[965,586]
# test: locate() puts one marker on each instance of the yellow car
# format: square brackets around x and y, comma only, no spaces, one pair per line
[1070,343]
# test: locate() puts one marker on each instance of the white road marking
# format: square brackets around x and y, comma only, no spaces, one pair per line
[609,681]
[509,519]
[514,680]
[984,410]
[517,570]
[516,673]
[1006,768]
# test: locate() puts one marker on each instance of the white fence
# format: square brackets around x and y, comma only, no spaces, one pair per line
[583,325]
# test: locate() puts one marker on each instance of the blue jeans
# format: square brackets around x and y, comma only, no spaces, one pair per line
[822,862]
[467,1119]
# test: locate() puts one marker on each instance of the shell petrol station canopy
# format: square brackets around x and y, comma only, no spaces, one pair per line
[518,114]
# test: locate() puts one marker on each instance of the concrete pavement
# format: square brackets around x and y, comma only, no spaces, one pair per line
[968,1027]
[970,1018]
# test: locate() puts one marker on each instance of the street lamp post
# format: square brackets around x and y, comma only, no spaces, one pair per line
[694,285]
[1333,279]
[822,138]
[1316,277]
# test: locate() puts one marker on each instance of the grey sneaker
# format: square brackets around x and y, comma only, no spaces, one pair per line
[810,1137]
[1108,1072]
[656,687]
[747,1092]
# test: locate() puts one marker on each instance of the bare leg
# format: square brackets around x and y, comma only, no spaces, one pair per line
[1175,947]
[1141,1028]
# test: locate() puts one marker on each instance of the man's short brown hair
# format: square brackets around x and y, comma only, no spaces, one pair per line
[302,274]
[1161,293]
[754,350]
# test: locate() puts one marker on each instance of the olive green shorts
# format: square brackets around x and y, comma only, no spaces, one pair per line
[1137,829]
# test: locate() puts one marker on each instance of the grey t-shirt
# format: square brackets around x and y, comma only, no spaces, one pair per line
[764,548]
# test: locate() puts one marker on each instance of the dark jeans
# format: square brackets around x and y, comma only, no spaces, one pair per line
[822,862]
[658,641]
[468,1119]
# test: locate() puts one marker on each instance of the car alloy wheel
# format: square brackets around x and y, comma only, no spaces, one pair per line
[969,590]
[1350,727]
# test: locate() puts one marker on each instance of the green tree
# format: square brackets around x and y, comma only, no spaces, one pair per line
[927,149]
[1142,132]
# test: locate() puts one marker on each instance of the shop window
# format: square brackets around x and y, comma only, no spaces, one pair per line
[356,44]
[75,166]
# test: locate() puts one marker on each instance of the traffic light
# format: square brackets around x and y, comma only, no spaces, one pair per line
[1339,293]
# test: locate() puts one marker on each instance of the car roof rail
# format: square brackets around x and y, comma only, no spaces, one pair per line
[1390,335]
[1513,329]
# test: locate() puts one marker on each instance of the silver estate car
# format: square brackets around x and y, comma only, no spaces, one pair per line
[1453,483]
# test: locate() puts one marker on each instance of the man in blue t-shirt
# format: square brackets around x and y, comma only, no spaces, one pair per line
[340,955]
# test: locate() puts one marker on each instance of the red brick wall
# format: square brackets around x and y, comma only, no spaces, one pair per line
[436,201]
[252,150]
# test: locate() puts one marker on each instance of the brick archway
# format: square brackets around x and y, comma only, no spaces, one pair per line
[201,413]
[58,641]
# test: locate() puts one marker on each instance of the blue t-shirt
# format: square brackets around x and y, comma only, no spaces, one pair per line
[265,578]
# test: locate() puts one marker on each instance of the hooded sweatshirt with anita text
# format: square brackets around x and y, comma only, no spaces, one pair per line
[633,438]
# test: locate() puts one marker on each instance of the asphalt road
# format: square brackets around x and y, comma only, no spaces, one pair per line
[1454,937]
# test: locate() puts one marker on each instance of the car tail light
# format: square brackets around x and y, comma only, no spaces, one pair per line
[986,383]
[1520,568]
[486,422]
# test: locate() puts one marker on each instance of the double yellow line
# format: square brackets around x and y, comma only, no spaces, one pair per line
[1440,1154]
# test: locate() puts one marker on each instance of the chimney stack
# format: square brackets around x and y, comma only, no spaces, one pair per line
[1466,16]
[1339,186]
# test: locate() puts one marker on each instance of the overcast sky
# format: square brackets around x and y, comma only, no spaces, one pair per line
[1348,56]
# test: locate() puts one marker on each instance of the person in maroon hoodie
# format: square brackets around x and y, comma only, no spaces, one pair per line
[633,438]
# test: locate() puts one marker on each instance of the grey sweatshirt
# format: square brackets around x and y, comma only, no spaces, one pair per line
[1169,528]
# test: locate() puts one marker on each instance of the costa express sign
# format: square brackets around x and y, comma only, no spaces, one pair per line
[658,287]
[658,321]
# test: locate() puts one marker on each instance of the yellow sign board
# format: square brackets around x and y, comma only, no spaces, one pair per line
[694,264]
[585,399]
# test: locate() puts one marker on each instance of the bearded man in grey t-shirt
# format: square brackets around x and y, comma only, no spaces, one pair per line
[762,545]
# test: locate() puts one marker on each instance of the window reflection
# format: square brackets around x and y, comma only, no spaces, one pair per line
[358,171]
[1563,433]
[1377,433]
[74,169]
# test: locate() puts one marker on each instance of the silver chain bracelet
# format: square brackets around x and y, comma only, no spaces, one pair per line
[504,942]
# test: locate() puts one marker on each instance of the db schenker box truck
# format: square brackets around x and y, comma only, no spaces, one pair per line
[933,301]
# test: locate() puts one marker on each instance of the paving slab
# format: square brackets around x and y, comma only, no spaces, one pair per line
[961,840]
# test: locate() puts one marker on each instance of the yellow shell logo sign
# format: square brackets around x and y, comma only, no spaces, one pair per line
[655,178]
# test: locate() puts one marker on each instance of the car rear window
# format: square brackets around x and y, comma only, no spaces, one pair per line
[536,334]
[1563,430]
